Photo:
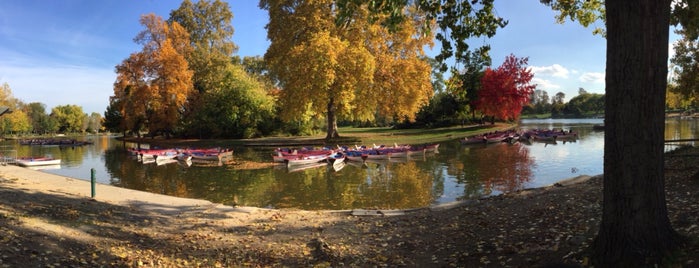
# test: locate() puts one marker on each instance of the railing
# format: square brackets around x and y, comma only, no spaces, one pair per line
[674,144]
[8,155]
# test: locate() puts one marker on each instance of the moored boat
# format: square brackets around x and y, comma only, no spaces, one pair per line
[37,161]
[306,160]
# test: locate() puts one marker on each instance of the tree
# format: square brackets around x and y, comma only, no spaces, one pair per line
[210,35]
[635,230]
[153,85]
[93,124]
[70,118]
[238,108]
[41,122]
[113,118]
[686,63]
[505,90]
[357,71]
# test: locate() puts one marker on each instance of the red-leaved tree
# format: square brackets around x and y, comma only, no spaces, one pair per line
[505,90]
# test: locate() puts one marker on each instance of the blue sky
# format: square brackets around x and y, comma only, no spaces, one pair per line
[64,52]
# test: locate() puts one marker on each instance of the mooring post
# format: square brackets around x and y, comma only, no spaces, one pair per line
[92,181]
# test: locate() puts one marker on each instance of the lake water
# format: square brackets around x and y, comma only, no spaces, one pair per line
[457,172]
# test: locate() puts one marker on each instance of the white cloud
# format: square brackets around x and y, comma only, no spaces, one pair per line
[544,84]
[555,70]
[592,78]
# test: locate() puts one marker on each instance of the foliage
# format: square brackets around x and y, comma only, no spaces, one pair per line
[69,118]
[586,12]
[153,85]
[93,123]
[210,36]
[584,104]
[16,122]
[237,109]
[685,62]
[113,118]
[42,123]
[505,90]
[357,71]
[457,20]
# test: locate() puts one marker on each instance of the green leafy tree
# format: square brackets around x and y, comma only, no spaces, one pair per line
[42,123]
[70,118]
[93,123]
[113,118]
[210,34]
[237,109]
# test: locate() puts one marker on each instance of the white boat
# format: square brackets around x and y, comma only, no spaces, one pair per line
[306,160]
[37,161]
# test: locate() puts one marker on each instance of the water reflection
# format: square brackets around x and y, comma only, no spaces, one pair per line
[457,172]
[493,169]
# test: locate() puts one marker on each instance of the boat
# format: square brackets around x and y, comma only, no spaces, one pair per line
[297,168]
[356,156]
[473,140]
[306,160]
[336,158]
[282,155]
[37,161]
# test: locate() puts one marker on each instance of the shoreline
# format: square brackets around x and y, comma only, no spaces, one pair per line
[56,184]
[51,220]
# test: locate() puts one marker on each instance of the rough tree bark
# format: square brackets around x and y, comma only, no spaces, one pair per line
[635,229]
[332,121]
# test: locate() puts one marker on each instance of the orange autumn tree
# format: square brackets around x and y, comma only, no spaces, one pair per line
[152,85]
[505,90]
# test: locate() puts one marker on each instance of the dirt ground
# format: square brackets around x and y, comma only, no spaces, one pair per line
[45,221]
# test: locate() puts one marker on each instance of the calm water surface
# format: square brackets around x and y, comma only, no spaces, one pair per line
[455,173]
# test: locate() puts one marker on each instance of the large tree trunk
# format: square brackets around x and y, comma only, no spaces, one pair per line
[635,229]
[332,121]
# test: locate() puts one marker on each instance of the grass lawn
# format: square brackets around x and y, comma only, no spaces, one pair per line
[348,136]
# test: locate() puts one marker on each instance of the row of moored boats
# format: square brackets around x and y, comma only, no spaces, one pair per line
[359,154]
[54,142]
[525,136]
[214,156]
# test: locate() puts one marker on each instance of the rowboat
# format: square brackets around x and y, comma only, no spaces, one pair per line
[297,168]
[336,158]
[356,156]
[306,160]
[37,161]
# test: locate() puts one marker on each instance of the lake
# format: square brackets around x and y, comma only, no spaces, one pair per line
[456,172]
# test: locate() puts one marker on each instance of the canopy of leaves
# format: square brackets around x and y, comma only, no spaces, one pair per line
[458,21]
[505,90]
[210,33]
[153,85]
[236,109]
[70,118]
[358,70]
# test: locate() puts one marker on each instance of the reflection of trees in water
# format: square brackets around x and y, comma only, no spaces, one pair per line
[497,168]
[395,185]
[72,154]
[676,128]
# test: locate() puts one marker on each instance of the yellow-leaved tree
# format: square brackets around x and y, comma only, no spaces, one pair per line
[152,85]
[357,71]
